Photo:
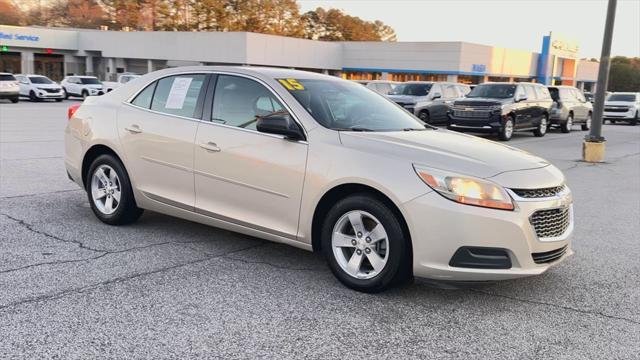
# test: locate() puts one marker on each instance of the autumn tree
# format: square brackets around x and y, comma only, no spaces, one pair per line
[10,14]
[335,25]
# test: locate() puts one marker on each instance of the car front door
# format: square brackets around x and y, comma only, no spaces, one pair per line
[157,132]
[531,109]
[243,176]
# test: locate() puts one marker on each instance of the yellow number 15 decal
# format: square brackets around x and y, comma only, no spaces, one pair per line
[291,84]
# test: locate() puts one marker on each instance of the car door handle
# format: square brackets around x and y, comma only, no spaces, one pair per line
[210,146]
[135,129]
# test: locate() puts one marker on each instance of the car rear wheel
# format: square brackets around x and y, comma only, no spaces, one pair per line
[587,124]
[424,116]
[109,191]
[365,244]
[85,94]
[506,132]
[542,127]
[15,99]
[565,127]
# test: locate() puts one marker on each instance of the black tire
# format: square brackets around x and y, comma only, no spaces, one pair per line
[565,127]
[15,100]
[32,96]
[85,94]
[58,100]
[543,126]
[503,134]
[66,94]
[587,123]
[398,267]
[126,211]
[424,116]
[612,121]
[635,120]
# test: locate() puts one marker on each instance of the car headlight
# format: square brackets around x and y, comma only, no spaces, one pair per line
[466,189]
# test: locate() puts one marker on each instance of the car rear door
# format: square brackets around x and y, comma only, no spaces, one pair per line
[157,130]
[531,108]
[243,176]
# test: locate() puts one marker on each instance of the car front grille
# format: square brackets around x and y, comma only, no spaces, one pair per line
[549,256]
[471,114]
[539,193]
[53,91]
[616,109]
[552,222]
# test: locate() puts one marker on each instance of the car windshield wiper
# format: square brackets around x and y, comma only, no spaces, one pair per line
[361,129]
[420,129]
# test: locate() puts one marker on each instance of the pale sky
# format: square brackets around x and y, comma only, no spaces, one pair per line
[517,24]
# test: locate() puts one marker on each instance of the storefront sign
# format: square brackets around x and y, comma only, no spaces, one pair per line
[562,46]
[481,68]
[19,37]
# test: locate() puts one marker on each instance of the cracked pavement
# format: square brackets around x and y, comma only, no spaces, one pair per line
[73,287]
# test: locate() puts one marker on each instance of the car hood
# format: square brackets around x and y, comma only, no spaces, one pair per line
[406,99]
[446,150]
[47,86]
[482,101]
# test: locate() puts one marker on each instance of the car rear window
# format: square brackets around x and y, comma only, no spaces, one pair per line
[7,77]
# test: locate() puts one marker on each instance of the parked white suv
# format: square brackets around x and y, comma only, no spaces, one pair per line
[9,88]
[82,86]
[122,79]
[623,106]
[38,87]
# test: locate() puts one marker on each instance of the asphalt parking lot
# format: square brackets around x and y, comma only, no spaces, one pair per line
[73,287]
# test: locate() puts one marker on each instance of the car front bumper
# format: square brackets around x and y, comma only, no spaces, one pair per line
[47,95]
[9,94]
[440,227]
[629,114]
[492,124]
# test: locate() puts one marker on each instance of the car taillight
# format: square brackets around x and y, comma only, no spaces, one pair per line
[72,110]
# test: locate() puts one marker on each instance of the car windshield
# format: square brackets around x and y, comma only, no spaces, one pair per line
[622,97]
[411,89]
[90,81]
[496,91]
[347,106]
[7,77]
[40,80]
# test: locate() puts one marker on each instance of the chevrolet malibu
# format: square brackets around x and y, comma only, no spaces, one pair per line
[322,164]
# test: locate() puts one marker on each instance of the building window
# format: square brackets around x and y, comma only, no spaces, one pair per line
[402,77]
[470,79]
[353,75]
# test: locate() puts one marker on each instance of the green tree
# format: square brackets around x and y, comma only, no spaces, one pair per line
[624,74]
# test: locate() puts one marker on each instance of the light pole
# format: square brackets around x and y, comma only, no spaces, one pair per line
[593,145]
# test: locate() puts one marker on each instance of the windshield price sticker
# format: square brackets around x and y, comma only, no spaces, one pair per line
[291,84]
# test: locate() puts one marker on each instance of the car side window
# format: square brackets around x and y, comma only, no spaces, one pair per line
[542,92]
[519,91]
[449,92]
[464,90]
[143,99]
[239,102]
[179,94]
[531,95]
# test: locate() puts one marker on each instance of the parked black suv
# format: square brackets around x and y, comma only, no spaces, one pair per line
[503,108]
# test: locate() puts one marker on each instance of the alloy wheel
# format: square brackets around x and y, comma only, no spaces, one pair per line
[508,128]
[543,125]
[106,190]
[360,244]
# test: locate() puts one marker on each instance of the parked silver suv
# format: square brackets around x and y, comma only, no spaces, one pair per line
[569,107]
[9,88]
[429,101]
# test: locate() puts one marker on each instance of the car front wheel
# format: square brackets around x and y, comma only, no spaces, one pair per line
[365,244]
[109,191]
[506,132]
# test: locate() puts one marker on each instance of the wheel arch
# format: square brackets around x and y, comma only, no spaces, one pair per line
[91,154]
[341,191]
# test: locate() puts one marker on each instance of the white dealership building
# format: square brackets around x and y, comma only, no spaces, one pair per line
[56,52]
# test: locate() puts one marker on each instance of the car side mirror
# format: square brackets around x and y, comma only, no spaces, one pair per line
[280,125]
[436,96]
[521,97]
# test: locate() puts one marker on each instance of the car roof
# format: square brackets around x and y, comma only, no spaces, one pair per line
[258,71]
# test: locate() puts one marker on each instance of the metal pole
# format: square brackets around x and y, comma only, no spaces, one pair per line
[595,134]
